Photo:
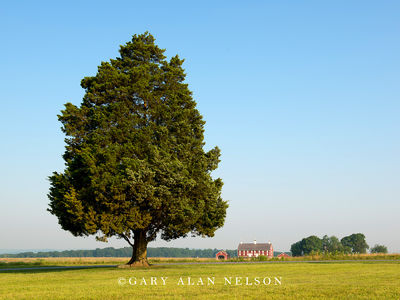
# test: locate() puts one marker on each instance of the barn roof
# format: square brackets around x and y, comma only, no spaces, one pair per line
[256,247]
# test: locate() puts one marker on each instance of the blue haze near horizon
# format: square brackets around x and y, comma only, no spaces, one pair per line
[301,97]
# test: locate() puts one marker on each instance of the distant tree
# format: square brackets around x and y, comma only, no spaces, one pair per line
[333,244]
[312,244]
[306,246]
[135,163]
[379,249]
[356,242]
[296,249]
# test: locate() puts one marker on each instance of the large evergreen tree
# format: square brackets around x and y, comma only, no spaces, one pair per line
[135,163]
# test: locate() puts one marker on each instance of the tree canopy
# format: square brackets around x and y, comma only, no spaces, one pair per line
[356,242]
[135,160]
[379,249]
[333,244]
[306,246]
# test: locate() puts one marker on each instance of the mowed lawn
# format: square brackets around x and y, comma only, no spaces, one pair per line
[338,280]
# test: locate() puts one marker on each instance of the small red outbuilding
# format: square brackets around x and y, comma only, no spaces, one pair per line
[222,255]
[283,254]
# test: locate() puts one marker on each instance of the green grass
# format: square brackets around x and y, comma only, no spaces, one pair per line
[333,280]
[76,261]
[6,263]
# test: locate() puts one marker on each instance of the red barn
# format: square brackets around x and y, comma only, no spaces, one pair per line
[255,249]
[222,255]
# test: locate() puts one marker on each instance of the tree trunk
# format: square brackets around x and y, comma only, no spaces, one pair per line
[139,253]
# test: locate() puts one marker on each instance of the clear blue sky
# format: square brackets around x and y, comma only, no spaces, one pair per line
[302,97]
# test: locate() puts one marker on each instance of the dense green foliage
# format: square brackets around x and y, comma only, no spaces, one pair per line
[306,246]
[354,243]
[135,164]
[379,249]
[312,243]
[332,245]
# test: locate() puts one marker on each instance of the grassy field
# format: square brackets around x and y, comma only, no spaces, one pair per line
[332,280]
[85,261]
[77,261]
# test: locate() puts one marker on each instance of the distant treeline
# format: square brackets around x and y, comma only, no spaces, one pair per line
[354,243]
[125,252]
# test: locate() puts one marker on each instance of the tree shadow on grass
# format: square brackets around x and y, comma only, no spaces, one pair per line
[51,268]
[32,268]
